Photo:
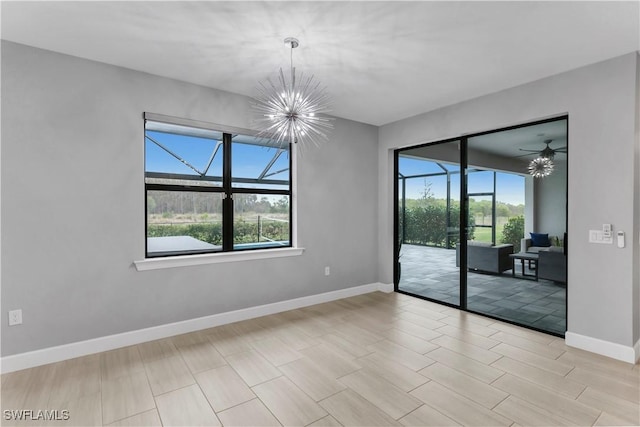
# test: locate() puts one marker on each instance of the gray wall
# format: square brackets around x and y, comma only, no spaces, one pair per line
[550,202]
[73,206]
[600,100]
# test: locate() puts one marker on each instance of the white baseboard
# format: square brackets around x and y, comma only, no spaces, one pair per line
[82,348]
[629,354]
[385,287]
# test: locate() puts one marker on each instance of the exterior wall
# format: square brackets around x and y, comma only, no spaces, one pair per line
[73,206]
[600,101]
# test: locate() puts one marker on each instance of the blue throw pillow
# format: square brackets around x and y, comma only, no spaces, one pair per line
[539,239]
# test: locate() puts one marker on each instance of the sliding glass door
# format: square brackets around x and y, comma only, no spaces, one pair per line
[429,221]
[476,252]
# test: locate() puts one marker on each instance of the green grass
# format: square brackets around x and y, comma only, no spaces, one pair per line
[482,234]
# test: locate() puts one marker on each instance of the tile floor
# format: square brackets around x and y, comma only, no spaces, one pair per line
[432,272]
[372,360]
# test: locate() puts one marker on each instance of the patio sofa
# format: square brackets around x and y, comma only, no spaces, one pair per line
[552,264]
[486,257]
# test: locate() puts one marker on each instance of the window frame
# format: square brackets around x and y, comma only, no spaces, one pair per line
[228,190]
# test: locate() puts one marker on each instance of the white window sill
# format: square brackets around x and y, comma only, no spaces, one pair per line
[187,260]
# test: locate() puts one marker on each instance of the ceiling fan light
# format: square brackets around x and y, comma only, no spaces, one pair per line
[541,167]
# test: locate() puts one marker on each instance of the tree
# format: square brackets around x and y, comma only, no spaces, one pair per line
[151,204]
[513,231]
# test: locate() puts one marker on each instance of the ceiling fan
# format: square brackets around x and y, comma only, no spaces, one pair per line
[547,152]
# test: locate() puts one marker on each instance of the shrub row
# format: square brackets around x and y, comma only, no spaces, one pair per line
[243,232]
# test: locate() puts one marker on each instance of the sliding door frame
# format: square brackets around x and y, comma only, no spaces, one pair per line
[464,219]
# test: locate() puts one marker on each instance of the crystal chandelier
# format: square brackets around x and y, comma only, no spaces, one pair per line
[290,110]
[541,167]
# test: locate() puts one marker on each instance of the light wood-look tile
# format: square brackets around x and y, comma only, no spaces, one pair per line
[384,395]
[468,337]
[551,365]
[471,351]
[628,411]
[311,379]
[464,385]
[327,421]
[525,333]
[466,322]
[612,385]
[422,362]
[347,347]
[158,349]
[415,330]
[201,357]
[84,411]
[186,407]
[402,355]
[288,403]
[419,320]
[124,396]
[431,305]
[351,409]
[249,414]
[397,374]
[275,351]
[75,379]
[600,365]
[121,362]
[250,329]
[309,326]
[526,414]
[466,365]
[526,344]
[168,374]
[295,338]
[252,367]
[227,341]
[331,362]
[541,377]
[191,338]
[425,311]
[148,418]
[223,388]
[554,403]
[426,416]
[457,407]
[355,334]
[409,341]
[606,419]
[371,321]
[466,317]
[29,388]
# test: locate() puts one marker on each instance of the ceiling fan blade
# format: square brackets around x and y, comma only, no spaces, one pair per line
[560,148]
[531,151]
[524,155]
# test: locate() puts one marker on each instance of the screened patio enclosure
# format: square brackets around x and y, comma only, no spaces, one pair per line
[461,211]
[429,203]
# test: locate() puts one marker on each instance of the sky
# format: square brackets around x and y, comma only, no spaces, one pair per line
[509,187]
[248,161]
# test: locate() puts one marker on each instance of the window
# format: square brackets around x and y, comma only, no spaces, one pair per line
[213,190]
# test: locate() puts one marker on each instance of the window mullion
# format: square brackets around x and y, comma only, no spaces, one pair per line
[227,204]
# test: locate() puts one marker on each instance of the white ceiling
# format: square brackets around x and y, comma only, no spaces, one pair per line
[380,61]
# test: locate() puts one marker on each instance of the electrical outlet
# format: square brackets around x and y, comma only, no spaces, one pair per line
[327,271]
[15,317]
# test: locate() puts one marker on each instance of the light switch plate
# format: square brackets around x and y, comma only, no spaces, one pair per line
[597,236]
